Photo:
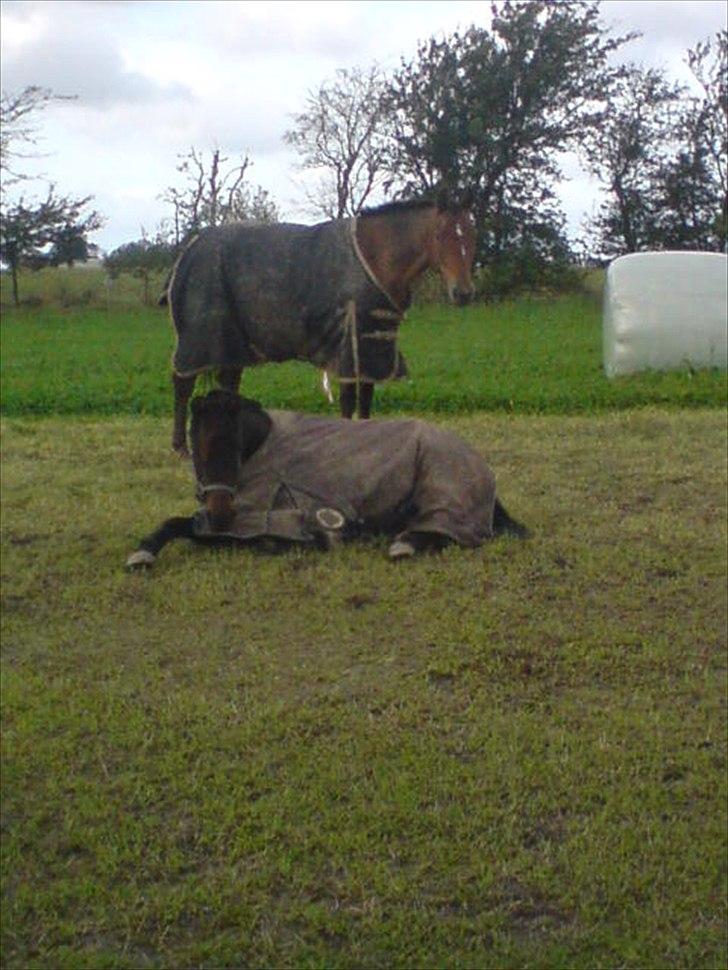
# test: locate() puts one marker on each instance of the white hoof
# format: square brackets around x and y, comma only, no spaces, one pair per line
[400,549]
[141,559]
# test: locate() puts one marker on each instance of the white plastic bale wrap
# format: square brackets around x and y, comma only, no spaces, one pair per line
[665,311]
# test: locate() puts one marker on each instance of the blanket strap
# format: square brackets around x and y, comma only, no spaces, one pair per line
[202,490]
[368,270]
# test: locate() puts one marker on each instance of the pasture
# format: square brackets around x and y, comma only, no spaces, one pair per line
[510,757]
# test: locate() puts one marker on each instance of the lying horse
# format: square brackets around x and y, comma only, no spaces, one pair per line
[332,294]
[297,478]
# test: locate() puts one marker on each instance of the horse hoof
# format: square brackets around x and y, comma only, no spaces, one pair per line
[141,559]
[401,550]
[181,452]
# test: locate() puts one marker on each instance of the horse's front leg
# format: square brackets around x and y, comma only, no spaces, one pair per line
[366,396]
[229,378]
[178,527]
[347,398]
[183,388]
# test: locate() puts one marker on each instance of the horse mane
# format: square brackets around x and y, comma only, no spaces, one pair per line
[442,200]
[221,400]
[400,206]
[219,403]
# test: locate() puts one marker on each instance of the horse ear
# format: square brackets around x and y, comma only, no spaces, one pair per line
[442,199]
[468,198]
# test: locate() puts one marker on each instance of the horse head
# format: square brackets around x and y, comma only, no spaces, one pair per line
[226,429]
[453,248]
[215,453]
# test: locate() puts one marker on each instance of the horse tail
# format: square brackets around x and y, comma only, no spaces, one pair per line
[504,524]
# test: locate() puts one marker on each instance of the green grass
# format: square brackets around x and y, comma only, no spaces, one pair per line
[510,757]
[524,357]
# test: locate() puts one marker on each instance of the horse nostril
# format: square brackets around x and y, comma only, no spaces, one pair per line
[463,297]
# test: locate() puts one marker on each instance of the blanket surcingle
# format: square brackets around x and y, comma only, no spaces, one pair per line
[249,293]
[371,476]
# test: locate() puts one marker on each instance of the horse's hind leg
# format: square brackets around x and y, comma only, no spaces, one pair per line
[229,378]
[366,396]
[178,527]
[183,388]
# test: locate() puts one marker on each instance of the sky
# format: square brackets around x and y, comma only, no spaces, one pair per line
[151,78]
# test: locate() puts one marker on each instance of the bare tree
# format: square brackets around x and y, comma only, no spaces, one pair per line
[343,130]
[214,194]
[19,127]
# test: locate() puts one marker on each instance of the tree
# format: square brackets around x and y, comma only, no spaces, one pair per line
[17,126]
[69,246]
[692,185]
[143,259]
[343,131]
[626,153]
[27,230]
[214,195]
[490,110]
[661,156]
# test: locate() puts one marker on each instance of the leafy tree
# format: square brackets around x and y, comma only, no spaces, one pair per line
[661,156]
[490,110]
[692,185]
[144,259]
[214,194]
[70,246]
[343,130]
[27,230]
[626,152]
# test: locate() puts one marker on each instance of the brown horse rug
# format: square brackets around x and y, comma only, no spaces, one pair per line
[295,478]
[314,476]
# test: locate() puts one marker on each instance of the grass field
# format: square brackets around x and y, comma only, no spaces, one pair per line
[507,757]
[530,356]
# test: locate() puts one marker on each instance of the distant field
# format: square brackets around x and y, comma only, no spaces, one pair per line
[526,356]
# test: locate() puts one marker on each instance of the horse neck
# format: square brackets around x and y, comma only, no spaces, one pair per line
[398,249]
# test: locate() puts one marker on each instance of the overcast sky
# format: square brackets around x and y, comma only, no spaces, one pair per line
[153,78]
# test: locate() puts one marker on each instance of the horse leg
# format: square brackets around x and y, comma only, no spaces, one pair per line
[411,543]
[183,388]
[366,396]
[178,527]
[347,398]
[229,378]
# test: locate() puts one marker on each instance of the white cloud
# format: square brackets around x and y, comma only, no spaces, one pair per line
[62,47]
[154,78]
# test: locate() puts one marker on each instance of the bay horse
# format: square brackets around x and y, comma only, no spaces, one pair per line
[284,478]
[333,294]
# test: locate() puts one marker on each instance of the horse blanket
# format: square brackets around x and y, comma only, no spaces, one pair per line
[313,474]
[248,293]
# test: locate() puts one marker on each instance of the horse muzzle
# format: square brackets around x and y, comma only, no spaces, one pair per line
[462,297]
[218,501]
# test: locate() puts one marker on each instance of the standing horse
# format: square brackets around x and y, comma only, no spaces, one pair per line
[282,477]
[333,294]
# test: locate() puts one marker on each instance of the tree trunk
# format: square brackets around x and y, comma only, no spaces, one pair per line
[14,275]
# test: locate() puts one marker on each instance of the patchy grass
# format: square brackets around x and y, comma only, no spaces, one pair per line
[524,357]
[512,757]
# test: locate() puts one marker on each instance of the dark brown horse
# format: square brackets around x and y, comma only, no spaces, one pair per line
[287,478]
[332,294]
